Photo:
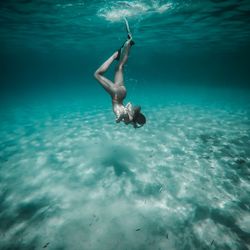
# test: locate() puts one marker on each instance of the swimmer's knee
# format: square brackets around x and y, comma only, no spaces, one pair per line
[97,74]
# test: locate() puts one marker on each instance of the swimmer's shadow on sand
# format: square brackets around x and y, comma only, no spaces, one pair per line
[120,159]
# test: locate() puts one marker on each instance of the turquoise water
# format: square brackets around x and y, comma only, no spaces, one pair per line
[72,178]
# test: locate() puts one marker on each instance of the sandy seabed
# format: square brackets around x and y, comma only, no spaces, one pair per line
[73,179]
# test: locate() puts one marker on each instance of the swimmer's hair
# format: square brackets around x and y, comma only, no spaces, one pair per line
[138,116]
[141,119]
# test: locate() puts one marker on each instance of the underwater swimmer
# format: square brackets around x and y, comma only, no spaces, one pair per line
[128,114]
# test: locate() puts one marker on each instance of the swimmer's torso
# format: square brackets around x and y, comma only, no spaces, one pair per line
[117,102]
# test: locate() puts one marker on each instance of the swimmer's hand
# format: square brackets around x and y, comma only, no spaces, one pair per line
[135,125]
[119,118]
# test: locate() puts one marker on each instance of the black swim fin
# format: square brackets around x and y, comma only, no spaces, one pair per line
[120,49]
[119,54]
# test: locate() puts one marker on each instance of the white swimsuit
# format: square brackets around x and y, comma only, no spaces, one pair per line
[124,113]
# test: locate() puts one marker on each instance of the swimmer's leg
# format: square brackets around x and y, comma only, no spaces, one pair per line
[129,38]
[106,83]
[120,66]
